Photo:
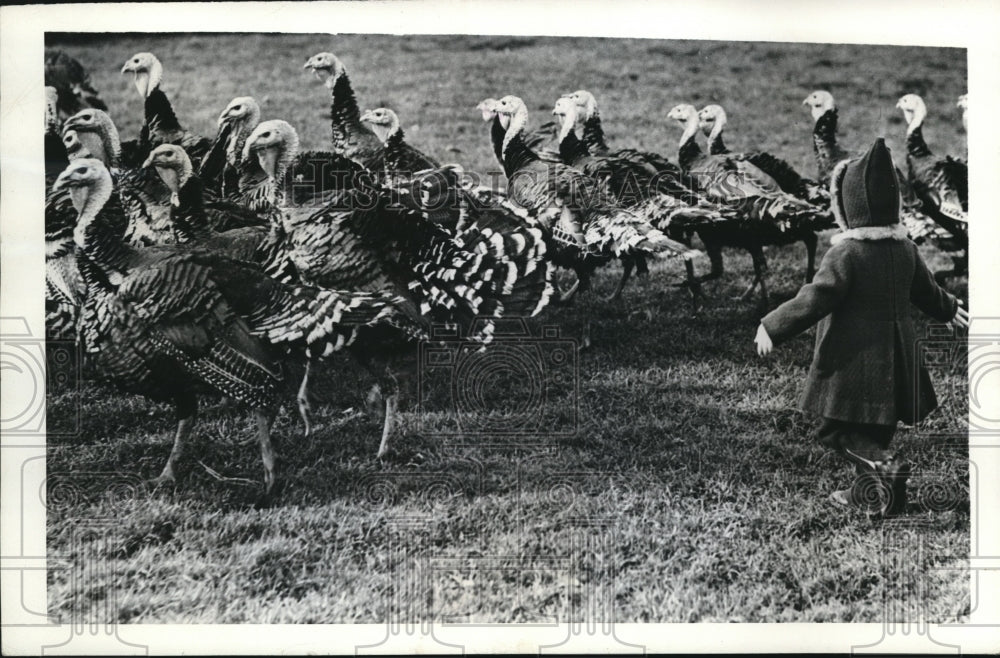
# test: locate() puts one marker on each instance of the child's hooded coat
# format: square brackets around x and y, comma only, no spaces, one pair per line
[865,367]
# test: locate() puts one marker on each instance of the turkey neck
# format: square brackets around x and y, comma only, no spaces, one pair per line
[689,152]
[915,144]
[572,151]
[715,144]
[497,134]
[188,215]
[274,161]
[238,137]
[111,143]
[97,232]
[159,113]
[593,134]
[95,144]
[825,132]
[345,117]
[394,145]
[516,153]
[175,177]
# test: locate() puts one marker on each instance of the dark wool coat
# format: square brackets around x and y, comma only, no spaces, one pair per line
[865,368]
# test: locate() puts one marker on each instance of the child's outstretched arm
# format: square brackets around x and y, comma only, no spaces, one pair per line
[932,299]
[814,301]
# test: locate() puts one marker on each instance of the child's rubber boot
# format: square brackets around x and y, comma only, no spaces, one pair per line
[880,487]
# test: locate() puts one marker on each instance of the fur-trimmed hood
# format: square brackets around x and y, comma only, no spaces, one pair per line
[893,232]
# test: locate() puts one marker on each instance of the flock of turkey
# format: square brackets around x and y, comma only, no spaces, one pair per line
[182,263]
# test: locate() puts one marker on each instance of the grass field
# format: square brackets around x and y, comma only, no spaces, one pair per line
[689,489]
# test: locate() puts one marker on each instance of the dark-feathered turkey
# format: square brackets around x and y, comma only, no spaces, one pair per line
[593,138]
[217,225]
[766,214]
[654,197]
[399,157]
[712,119]
[941,184]
[349,136]
[221,168]
[160,124]
[72,84]
[340,228]
[581,220]
[163,322]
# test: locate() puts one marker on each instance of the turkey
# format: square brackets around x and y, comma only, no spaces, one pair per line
[145,198]
[828,152]
[349,135]
[160,124]
[713,120]
[55,150]
[593,138]
[765,216]
[167,322]
[578,215]
[631,186]
[72,84]
[444,196]
[941,184]
[361,237]
[209,227]
[963,104]
[221,169]
[342,241]
[400,159]
[64,289]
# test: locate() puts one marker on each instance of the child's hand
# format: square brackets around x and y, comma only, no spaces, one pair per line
[961,318]
[764,344]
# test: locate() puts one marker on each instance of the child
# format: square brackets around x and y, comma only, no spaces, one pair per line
[864,370]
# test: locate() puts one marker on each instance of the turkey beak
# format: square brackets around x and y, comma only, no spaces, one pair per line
[805,102]
[127,68]
[367,117]
[64,180]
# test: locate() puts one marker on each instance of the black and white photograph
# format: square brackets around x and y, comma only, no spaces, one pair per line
[444,333]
